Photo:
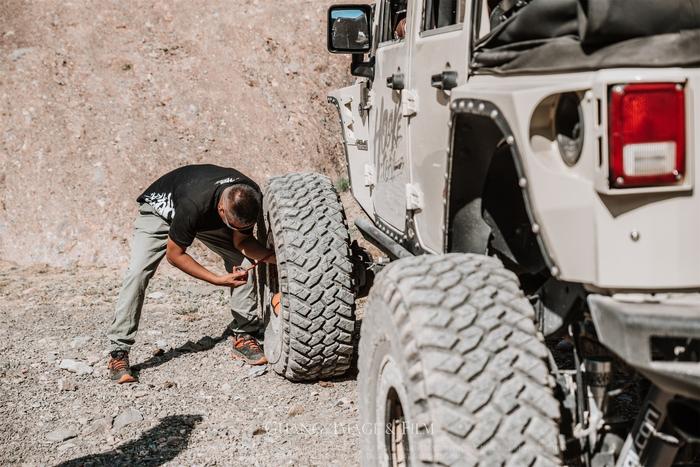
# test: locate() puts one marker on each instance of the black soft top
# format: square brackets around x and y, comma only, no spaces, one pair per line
[581,35]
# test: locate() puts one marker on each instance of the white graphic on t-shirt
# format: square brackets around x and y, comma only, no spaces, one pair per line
[225,180]
[162,203]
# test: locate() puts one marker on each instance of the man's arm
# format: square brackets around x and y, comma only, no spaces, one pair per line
[251,248]
[178,257]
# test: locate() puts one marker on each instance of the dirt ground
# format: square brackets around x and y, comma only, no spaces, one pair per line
[194,405]
[98,99]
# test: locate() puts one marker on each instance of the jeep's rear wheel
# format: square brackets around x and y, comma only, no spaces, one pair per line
[452,370]
[311,337]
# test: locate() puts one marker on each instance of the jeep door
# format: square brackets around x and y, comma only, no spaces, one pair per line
[388,126]
[439,62]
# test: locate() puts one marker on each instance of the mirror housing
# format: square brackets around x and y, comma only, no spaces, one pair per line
[349,29]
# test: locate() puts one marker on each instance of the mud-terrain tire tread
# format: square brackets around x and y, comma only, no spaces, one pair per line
[476,366]
[312,244]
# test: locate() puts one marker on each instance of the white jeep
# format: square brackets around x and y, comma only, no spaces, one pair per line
[530,168]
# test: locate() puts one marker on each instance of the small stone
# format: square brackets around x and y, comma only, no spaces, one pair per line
[259,431]
[67,385]
[226,387]
[79,342]
[295,410]
[94,359]
[169,384]
[61,434]
[343,402]
[256,371]
[75,366]
[158,352]
[162,344]
[127,417]
[325,384]
[156,295]
[101,425]
[65,447]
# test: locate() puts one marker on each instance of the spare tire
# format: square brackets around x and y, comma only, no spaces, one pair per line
[311,336]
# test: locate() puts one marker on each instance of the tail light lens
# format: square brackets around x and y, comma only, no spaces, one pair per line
[647,135]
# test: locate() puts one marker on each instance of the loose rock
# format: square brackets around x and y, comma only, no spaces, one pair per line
[101,425]
[61,434]
[295,410]
[75,366]
[67,385]
[127,417]
[79,342]
[256,371]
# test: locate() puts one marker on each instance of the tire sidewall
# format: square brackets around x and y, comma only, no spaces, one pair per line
[382,366]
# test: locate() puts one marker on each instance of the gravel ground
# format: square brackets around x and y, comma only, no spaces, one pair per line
[194,405]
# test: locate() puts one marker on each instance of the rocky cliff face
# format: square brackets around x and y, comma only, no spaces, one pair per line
[97,99]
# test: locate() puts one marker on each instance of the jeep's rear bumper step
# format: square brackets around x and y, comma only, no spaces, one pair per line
[658,336]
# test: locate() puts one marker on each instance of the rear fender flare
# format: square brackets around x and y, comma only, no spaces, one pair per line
[478,168]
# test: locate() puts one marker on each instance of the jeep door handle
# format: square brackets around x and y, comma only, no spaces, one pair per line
[445,80]
[395,82]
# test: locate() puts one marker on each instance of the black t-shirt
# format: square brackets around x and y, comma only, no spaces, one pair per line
[187,199]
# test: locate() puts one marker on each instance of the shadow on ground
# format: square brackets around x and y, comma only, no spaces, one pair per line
[203,344]
[159,445]
[207,343]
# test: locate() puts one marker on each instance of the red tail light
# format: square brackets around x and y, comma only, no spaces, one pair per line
[647,134]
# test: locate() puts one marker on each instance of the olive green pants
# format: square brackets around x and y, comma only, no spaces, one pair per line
[148,249]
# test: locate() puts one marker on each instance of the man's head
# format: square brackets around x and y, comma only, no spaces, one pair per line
[239,206]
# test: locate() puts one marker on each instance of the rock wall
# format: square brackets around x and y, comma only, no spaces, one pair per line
[97,99]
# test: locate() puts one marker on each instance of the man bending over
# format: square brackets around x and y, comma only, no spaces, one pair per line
[220,207]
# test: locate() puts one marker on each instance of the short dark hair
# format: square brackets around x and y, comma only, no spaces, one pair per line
[244,203]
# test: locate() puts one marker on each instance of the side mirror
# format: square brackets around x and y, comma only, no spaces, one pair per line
[349,29]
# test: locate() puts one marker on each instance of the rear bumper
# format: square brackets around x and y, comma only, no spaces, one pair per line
[635,328]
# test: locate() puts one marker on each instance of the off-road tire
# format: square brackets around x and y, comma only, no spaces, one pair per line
[312,337]
[454,337]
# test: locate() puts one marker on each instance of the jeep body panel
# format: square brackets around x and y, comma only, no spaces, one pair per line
[434,52]
[389,134]
[587,230]
[354,123]
[607,239]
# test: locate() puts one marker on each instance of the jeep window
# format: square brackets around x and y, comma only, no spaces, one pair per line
[393,20]
[442,13]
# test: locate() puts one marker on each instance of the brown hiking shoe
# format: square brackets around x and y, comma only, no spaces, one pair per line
[247,348]
[119,369]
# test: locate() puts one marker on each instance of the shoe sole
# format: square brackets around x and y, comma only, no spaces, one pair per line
[237,356]
[126,379]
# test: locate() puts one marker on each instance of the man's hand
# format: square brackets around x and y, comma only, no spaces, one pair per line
[234,279]
[178,257]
